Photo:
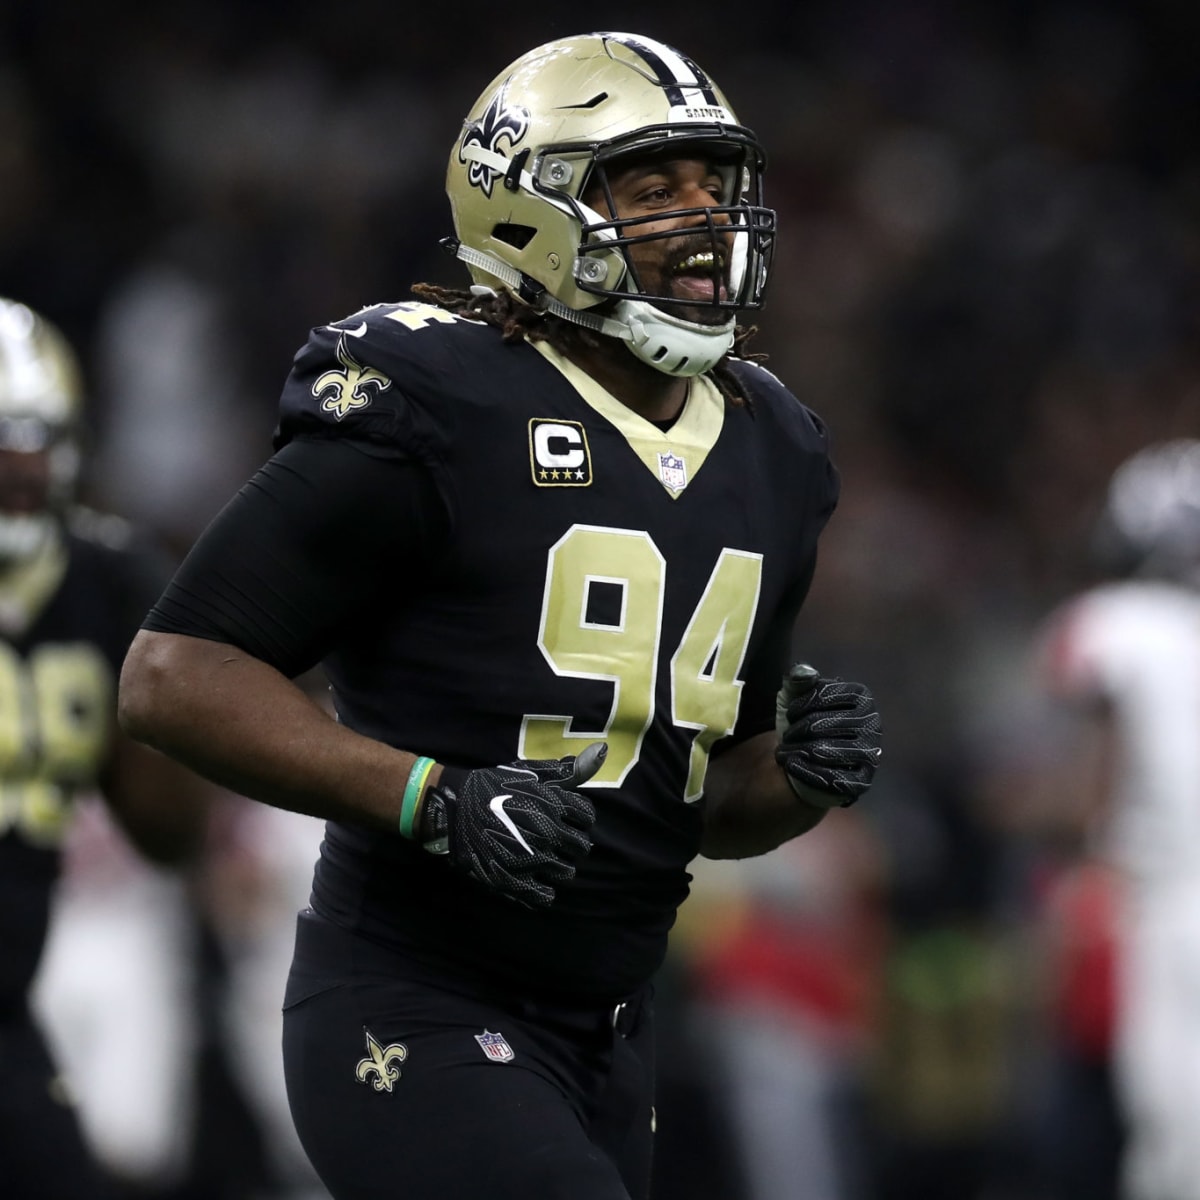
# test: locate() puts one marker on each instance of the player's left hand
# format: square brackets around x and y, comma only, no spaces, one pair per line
[829,736]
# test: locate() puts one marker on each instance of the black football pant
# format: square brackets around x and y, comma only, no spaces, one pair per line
[407,1090]
[43,1155]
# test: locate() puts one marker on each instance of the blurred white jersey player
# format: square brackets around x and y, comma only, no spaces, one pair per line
[1127,652]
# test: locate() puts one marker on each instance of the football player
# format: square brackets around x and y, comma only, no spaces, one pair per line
[1124,656]
[554,522]
[73,589]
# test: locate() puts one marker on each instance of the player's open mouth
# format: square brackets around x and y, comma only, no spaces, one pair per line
[693,277]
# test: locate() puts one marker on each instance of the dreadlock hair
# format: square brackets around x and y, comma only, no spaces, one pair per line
[518,321]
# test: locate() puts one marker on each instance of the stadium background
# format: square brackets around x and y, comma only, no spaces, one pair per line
[986,283]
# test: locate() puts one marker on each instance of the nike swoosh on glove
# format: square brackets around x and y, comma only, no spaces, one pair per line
[829,736]
[519,828]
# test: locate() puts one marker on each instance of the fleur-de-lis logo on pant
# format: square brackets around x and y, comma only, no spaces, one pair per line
[383,1062]
[355,387]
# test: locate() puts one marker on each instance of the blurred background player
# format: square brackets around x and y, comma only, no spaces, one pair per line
[1125,656]
[73,588]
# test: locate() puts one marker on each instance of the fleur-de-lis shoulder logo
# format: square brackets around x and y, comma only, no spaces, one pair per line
[355,386]
[383,1062]
[500,122]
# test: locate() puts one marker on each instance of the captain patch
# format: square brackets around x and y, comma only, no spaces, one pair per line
[558,453]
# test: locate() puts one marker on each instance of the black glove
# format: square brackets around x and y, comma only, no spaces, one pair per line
[829,734]
[518,828]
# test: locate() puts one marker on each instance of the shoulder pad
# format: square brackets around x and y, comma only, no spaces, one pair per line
[766,389]
[361,376]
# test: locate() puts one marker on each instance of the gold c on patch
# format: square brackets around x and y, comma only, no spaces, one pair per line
[558,453]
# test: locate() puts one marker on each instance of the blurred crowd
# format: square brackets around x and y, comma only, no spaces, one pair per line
[986,284]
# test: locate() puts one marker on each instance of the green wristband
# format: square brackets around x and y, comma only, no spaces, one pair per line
[412,794]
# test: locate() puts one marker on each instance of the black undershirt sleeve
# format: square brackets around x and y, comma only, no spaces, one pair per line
[306,543]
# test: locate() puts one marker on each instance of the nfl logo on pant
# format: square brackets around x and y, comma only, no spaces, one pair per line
[495,1046]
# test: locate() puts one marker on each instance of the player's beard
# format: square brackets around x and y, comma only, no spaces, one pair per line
[661,277]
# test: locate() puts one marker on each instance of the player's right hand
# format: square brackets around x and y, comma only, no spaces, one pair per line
[518,828]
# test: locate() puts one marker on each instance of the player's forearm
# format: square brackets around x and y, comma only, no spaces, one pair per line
[162,808]
[750,808]
[243,725]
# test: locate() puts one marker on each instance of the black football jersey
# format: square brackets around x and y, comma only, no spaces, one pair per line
[57,704]
[603,580]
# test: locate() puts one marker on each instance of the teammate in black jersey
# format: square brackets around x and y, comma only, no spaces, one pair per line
[554,523]
[73,589]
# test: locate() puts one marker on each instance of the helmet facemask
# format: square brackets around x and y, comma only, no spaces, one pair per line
[724,249]
[732,234]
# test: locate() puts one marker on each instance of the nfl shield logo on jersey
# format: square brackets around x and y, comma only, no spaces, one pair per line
[672,471]
[495,1046]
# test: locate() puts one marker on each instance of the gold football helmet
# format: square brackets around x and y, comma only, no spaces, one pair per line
[41,406]
[542,135]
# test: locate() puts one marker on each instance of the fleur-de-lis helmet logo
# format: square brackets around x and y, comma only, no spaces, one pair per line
[500,122]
